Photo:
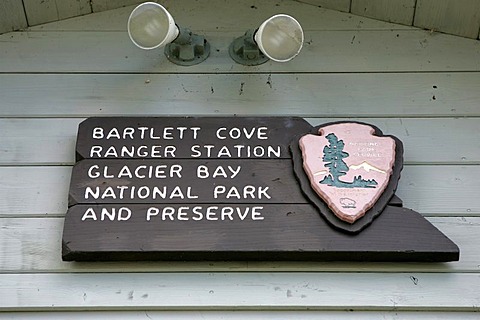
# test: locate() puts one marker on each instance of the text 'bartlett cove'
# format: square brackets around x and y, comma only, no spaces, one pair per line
[168,134]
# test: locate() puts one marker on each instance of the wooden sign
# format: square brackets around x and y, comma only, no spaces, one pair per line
[234,188]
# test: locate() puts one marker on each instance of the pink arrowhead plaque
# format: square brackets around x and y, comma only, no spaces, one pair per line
[348,167]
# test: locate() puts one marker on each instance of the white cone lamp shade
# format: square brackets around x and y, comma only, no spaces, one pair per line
[151,26]
[280,38]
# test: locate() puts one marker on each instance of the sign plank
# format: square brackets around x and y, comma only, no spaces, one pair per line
[184,181]
[242,232]
[188,137]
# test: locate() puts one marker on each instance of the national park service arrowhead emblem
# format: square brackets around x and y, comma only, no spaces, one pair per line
[349,170]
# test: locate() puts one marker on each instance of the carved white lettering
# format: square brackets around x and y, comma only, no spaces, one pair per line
[237,133]
[235,151]
[108,214]
[245,192]
[209,213]
[227,172]
[155,151]
[161,171]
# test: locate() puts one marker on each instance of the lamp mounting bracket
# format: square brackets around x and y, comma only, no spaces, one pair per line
[244,50]
[188,48]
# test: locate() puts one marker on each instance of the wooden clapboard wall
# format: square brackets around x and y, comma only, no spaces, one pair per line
[419,86]
[19,14]
[454,17]
[458,17]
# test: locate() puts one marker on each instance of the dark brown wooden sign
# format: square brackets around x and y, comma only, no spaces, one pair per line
[190,188]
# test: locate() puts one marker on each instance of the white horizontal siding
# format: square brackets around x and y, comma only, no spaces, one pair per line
[241,315]
[417,85]
[325,51]
[264,291]
[56,146]
[365,95]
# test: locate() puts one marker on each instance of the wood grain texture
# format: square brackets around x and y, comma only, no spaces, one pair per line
[242,291]
[391,10]
[34,245]
[347,51]
[288,232]
[12,16]
[39,12]
[376,95]
[423,188]
[459,17]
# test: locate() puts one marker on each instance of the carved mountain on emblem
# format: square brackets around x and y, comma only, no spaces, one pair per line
[366,166]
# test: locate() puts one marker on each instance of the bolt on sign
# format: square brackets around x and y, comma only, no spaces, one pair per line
[241,188]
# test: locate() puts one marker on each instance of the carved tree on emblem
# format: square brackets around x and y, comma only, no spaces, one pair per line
[333,156]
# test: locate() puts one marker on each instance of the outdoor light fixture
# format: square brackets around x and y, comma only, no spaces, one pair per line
[279,38]
[151,26]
